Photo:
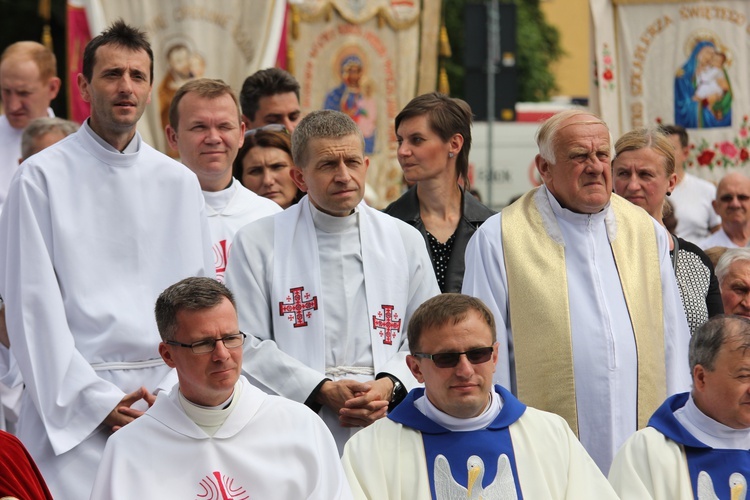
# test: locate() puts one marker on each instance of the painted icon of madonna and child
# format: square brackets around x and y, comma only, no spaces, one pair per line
[702,91]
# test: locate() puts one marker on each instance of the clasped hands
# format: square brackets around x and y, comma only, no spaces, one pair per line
[358,404]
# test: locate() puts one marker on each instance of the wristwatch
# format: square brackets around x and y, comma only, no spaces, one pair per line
[398,394]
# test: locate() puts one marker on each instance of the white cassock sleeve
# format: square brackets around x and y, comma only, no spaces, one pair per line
[71,399]
[249,276]
[650,467]
[485,279]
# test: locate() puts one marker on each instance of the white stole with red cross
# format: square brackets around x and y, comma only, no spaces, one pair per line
[297,307]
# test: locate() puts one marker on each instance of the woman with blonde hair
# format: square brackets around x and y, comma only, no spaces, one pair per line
[643,173]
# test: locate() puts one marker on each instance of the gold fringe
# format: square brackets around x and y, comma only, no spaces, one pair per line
[445,44]
[47,37]
[443,85]
[326,11]
[45,9]
[295,22]
[290,59]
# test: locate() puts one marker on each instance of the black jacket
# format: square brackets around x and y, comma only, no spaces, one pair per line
[473,214]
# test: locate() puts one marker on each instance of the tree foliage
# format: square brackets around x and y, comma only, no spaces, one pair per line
[538,46]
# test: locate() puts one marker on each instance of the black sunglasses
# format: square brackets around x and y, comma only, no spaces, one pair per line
[450,359]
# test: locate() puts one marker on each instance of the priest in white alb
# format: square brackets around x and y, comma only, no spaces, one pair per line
[328,285]
[207,130]
[697,444]
[215,435]
[589,317]
[460,437]
[94,228]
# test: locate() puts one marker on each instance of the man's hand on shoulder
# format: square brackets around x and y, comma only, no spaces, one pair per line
[123,414]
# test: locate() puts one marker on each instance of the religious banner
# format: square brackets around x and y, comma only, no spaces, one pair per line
[684,63]
[225,39]
[361,58]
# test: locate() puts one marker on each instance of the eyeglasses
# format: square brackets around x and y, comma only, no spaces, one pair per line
[205,346]
[450,359]
[271,127]
[727,198]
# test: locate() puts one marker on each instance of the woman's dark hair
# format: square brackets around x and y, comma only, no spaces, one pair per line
[446,116]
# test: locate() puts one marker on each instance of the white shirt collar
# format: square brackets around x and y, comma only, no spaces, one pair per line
[455,424]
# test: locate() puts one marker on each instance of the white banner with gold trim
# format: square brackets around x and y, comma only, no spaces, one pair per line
[226,39]
[686,63]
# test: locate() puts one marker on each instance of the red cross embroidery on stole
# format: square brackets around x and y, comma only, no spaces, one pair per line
[389,322]
[218,487]
[220,259]
[298,309]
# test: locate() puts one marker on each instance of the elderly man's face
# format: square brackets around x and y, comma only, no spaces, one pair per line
[461,391]
[724,393]
[581,178]
[334,177]
[735,289]
[205,379]
[732,201]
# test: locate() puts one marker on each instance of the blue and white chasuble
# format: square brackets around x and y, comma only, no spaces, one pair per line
[714,473]
[460,463]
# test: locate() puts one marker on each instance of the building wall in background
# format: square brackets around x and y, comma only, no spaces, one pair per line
[571,17]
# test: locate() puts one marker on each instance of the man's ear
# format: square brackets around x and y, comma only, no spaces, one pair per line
[699,378]
[83,88]
[53,87]
[543,167]
[299,178]
[171,137]
[413,363]
[166,354]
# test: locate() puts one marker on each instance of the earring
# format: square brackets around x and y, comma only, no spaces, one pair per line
[450,155]
[669,193]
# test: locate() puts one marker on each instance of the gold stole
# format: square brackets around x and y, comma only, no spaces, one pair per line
[539,314]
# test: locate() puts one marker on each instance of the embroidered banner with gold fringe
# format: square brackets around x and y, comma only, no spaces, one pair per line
[364,58]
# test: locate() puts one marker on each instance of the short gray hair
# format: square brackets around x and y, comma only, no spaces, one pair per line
[322,124]
[546,136]
[709,337]
[191,294]
[729,257]
[40,127]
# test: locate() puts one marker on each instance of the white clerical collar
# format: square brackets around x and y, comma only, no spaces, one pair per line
[211,418]
[456,424]
[710,432]
[132,146]
[573,217]
[331,223]
[219,200]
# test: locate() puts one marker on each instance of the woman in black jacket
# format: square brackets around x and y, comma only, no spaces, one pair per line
[434,136]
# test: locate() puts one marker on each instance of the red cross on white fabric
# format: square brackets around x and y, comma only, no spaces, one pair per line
[221,487]
[298,309]
[389,322]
